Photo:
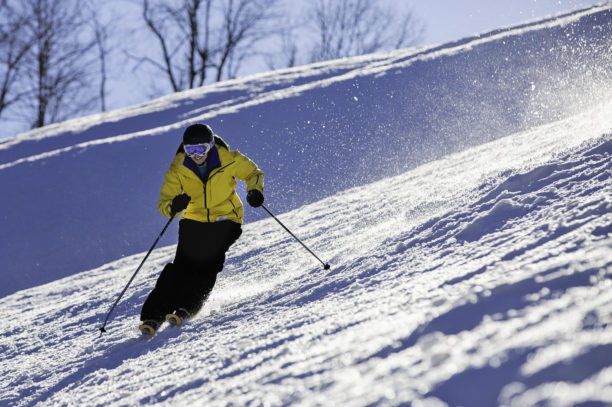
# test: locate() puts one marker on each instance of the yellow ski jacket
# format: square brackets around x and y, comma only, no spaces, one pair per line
[212,189]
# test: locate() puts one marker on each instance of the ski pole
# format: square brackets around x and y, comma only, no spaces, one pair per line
[325,265]
[102,330]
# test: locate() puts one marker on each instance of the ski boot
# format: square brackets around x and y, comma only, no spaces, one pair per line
[149,327]
[178,317]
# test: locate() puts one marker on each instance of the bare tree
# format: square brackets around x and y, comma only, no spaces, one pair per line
[355,27]
[57,73]
[13,50]
[101,36]
[103,31]
[283,52]
[198,38]
[245,24]
[289,48]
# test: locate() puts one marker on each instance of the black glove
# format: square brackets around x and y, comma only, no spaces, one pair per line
[179,203]
[255,198]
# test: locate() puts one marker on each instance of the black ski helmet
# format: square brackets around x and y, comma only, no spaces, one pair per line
[198,134]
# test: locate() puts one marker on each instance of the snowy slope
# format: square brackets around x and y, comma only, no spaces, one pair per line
[481,279]
[79,194]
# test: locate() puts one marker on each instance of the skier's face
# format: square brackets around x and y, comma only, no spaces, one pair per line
[198,152]
[199,159]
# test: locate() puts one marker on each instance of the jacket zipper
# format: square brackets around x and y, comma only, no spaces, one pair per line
[206,203]
[205,199]
[208,179]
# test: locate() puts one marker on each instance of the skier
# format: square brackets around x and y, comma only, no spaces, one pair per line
[201,181]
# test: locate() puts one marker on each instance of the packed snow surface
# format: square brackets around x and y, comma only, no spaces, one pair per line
[479,275]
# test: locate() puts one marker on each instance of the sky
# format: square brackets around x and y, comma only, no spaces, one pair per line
[449,20]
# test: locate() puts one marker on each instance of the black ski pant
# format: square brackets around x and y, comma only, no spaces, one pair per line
[189,279]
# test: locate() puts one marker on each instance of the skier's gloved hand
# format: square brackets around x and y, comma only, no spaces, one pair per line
[255,198]
[179,203]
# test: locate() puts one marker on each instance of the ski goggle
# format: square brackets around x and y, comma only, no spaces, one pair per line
[198,149]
